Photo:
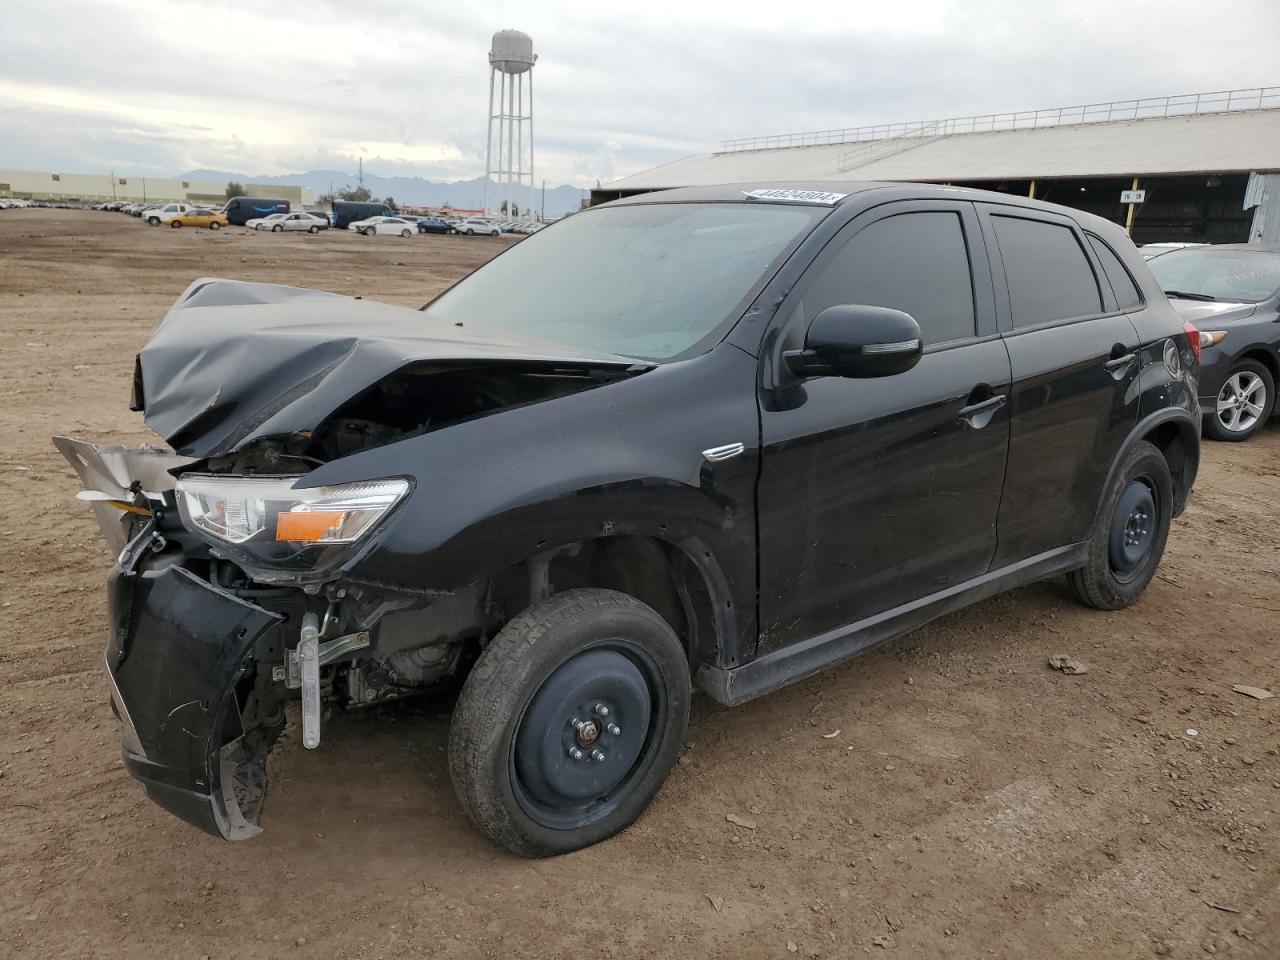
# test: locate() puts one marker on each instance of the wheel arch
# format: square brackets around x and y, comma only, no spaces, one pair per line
[1260,354]
[681,580]
[1176,434]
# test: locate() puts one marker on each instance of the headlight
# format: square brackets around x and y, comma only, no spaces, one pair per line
[265,524]
[1211,338]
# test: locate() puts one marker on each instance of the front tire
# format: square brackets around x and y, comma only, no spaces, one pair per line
[569,722]
[1130,531]
[1244,404]
[175,224]
[153,221]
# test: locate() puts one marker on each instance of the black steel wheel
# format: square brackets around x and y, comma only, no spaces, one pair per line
[1129,532]
[570,721]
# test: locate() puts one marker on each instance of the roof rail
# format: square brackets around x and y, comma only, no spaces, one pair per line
[1182,105]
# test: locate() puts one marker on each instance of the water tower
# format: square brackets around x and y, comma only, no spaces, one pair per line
[509,153]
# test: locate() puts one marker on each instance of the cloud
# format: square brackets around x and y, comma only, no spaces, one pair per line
[160,86]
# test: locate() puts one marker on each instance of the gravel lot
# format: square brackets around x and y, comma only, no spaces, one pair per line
[973,804]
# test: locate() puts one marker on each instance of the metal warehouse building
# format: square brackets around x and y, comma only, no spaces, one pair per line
[101,187]
[1207,165]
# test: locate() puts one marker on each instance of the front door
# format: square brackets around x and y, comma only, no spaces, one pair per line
[874,493]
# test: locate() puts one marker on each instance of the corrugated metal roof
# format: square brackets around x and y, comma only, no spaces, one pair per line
[1241,141]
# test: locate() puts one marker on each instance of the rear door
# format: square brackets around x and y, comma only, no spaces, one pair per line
[874,493]
[1075,363]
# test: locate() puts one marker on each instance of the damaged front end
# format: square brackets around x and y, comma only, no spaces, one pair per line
[237,586]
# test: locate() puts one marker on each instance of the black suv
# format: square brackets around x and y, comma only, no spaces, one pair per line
[715,438]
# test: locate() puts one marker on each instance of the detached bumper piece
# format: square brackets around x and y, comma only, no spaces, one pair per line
[180,659]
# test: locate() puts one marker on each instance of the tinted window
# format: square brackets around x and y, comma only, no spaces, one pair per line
[1122,284]
[914,262]
[1048,274]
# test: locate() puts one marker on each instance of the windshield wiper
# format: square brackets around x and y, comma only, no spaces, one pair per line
[1183,295]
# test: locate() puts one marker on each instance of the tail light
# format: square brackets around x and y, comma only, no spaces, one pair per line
[1193,337]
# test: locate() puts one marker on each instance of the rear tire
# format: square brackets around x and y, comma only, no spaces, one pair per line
[569,722]
[406,233]
[1129,533]
[175,224]
[153,221]
[277,229]
[215,225]
[1247,399]
[313,229]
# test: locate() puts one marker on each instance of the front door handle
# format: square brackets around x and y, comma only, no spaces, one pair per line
[978,415]
[1120,363]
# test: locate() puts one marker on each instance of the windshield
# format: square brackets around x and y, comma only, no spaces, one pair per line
[1247,276]
[647,281]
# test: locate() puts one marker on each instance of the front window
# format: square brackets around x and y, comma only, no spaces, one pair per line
[1203,273]
[650,281]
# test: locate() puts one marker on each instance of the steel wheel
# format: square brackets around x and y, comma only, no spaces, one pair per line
[585,733]
[1133,528]
[1241,401]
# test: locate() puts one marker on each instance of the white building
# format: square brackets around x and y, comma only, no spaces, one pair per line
[101,187]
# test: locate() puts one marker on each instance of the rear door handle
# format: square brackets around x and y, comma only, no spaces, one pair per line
[978,415]
[1120,363]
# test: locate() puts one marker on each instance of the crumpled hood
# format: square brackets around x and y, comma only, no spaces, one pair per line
[1201,312]
[233,362]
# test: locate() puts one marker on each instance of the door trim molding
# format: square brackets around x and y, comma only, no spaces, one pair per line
[734,685]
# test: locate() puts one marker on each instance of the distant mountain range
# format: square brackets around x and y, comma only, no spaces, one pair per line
[418,191]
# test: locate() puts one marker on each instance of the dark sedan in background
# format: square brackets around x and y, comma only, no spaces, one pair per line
[1231,293]
[435,225]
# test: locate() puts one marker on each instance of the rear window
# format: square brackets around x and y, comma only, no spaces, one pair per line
[1122,285]
[1048,274]
[1242,275]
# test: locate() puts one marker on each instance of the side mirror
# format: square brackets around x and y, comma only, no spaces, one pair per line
[856,341]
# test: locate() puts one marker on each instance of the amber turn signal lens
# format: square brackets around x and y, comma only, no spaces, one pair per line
[307,526]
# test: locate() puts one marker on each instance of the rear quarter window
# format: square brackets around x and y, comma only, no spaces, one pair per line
[1122,284]
[1048,275]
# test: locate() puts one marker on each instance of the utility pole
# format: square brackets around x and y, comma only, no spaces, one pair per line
[543,216]
[113,186]
[361,176]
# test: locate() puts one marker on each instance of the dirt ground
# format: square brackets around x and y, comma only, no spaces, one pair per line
[973,803]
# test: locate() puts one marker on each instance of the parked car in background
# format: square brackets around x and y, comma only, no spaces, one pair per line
[199,217]
[1150,251]
[240,210]
[383,225]
[473,226]
[265,223]
[347,212]
[744,433]
[291,223]
[435,225]
[165,212]
[1231,292]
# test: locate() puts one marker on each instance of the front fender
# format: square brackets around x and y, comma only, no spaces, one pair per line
[624,458]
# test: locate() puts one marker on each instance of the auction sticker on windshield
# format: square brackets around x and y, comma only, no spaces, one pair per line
[796,196]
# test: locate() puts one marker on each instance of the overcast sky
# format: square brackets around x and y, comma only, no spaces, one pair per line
[279,86]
